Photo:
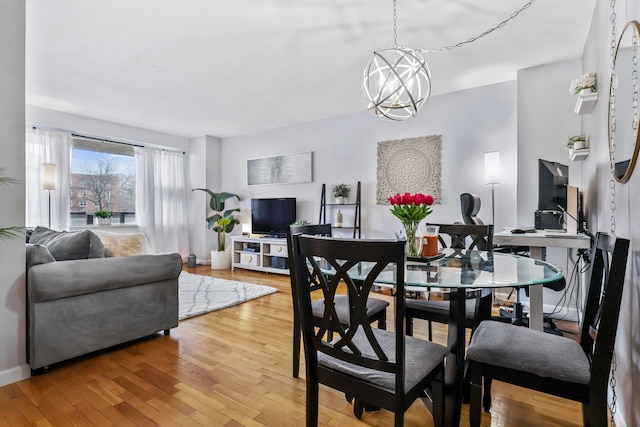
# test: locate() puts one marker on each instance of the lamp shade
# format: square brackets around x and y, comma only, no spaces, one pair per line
[48,176]
[492,167]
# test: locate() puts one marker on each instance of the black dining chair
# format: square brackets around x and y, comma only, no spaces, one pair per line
[385,369]
[376,308]
[456,236]
[554,364]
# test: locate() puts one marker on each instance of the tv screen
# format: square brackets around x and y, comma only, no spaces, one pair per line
[553,179]
[272,216]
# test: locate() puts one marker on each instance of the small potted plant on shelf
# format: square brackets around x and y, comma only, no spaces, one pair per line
[585,83]
[341,192]
[104,217]
[576,142]
[222,222]
[301,222]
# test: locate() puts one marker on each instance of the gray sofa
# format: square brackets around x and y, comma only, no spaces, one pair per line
[78,306]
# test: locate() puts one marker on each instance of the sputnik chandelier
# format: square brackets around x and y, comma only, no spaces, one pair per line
[396,82]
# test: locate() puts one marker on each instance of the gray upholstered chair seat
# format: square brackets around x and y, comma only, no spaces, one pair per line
[421,357]
[341,302]
[546,355]
[438,307]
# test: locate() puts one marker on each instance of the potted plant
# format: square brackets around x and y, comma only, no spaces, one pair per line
[341,192]
[13,231]
[222,222]
[584,83]
[576,142]
[104,217]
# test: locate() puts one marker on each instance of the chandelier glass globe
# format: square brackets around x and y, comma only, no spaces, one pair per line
[396,83]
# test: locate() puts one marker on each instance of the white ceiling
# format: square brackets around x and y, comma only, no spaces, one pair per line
[224,68]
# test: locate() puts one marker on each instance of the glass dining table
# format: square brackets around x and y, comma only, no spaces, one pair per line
[459,274]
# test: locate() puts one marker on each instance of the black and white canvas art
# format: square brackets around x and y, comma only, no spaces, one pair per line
[285,169]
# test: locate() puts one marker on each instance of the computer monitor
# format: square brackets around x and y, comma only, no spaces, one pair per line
[553,178]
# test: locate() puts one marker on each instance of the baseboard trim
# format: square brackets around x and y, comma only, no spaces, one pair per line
[15,374]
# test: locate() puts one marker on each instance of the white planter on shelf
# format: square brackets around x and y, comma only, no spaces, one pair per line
[579,145]
[221,260]
[341,200]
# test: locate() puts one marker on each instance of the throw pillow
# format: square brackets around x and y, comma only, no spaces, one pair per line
[64,245]
[123,244]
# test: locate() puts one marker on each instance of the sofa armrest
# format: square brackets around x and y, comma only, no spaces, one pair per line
[63,279]
[38,254]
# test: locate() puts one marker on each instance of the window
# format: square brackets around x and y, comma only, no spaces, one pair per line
[102,179]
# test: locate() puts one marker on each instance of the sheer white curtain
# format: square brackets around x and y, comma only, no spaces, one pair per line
[161,202]
[47,146]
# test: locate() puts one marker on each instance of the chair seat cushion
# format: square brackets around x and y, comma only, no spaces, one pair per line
[421,357]
[439,307]
[514,347]
[374,305]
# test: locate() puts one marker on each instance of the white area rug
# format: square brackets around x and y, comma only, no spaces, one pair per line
[202,294]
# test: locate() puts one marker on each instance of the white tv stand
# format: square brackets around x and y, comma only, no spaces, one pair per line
[269,254]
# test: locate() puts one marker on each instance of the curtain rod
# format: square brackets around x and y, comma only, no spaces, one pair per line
[108,141]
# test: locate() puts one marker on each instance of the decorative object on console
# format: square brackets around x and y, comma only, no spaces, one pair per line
[396,82]
[222,221]
[285,169]
[410,209]
[341,192]
[492,176]
[412,165]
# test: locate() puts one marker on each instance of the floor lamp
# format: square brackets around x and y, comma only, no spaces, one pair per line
[49,182]
[492,176]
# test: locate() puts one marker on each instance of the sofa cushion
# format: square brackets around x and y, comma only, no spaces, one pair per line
[65,245]
[116,244]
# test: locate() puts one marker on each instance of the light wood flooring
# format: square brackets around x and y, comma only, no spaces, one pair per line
[227,368]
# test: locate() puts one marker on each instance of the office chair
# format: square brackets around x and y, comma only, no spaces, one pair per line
[470,206]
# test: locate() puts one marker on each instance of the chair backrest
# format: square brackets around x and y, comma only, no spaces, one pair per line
[602,306]
[470,206]
[314,230]
[480,237]
[313,257]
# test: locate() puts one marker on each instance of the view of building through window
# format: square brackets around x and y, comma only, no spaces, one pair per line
[102,179]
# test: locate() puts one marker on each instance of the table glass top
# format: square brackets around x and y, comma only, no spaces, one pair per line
[469,268]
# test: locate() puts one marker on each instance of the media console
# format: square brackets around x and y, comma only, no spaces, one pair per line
[266,254]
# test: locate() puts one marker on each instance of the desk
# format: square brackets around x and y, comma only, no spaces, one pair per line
[538,242]
[462,270]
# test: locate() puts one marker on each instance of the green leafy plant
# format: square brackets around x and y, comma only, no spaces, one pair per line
[341,190]
[15,231]
[570,142]
[222,221]
[103,214]
[301,222]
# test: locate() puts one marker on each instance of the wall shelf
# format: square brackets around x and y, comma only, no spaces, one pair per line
[586,102]
[578,155]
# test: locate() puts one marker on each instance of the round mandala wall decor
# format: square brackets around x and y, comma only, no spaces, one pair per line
[411,165]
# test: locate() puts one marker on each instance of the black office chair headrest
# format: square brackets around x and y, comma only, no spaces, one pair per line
[470,206]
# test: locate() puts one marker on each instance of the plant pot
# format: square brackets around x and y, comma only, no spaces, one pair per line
[221,260]
[579,145]
[341,200]
[104,221]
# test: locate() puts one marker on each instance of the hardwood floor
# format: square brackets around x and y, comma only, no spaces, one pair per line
[227,368]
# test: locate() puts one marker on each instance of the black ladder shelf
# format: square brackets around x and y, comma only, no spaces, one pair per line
[357,220]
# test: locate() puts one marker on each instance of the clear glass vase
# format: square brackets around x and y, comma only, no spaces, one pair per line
[410,230]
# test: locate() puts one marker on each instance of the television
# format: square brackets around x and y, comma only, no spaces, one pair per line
[553,178]
[272,217]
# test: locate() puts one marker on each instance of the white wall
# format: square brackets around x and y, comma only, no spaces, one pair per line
[471,123]
[595,181]
[13,365]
